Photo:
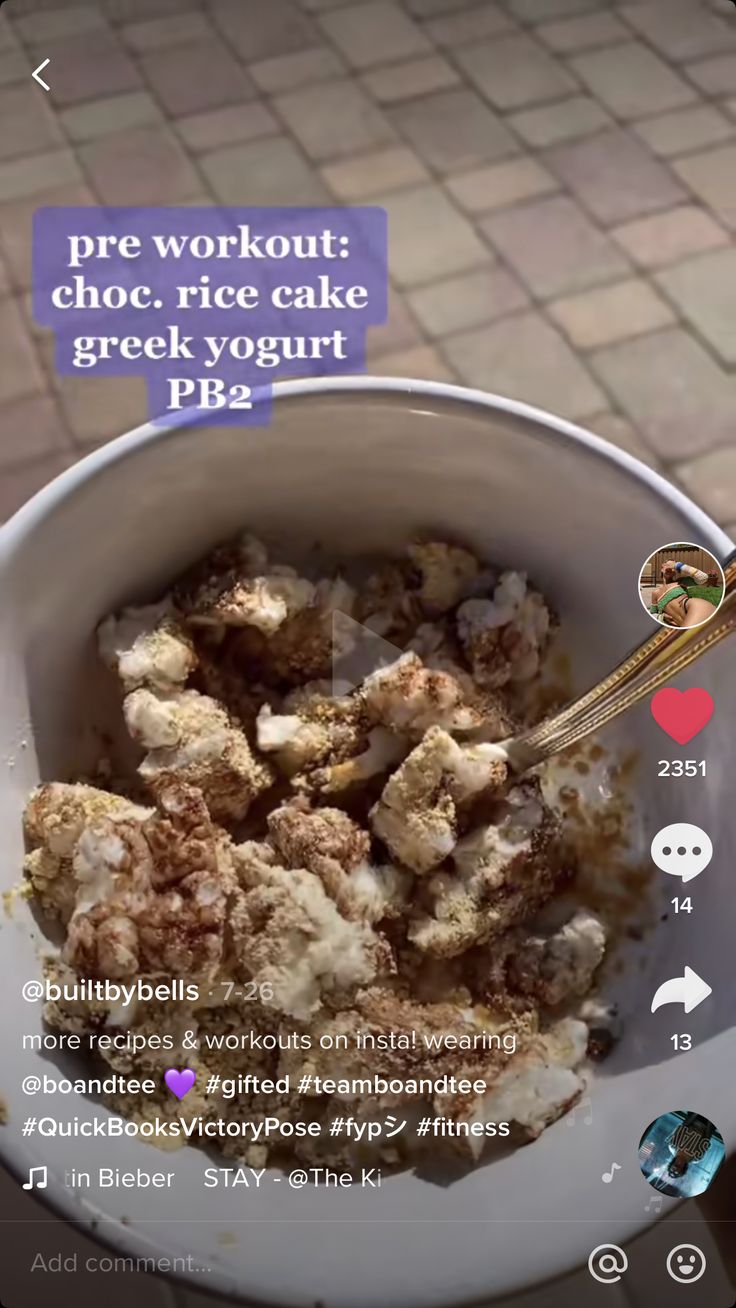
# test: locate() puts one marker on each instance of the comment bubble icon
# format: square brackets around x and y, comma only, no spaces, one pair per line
[682,850]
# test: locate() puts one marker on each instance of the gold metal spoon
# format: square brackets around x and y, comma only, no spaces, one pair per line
[669,651]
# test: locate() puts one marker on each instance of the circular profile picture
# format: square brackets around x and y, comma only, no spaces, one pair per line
[680,1153]
[682,585]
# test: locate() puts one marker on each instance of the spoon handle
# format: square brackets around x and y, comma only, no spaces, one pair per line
[669,651]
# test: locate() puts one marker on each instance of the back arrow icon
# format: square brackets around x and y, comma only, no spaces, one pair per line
[40,70]
[689,990]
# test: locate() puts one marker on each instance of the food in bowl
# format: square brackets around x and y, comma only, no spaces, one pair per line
[344,872]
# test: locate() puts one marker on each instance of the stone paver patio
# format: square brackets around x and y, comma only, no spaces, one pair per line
[560,177]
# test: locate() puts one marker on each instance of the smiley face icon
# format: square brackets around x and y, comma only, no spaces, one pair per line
[686,1263]
[682,850]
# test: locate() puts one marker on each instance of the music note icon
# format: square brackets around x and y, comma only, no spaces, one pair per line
[656,1202]
[32,1184]
[607,1177]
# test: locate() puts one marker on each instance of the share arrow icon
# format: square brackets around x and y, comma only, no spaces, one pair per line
[689,990]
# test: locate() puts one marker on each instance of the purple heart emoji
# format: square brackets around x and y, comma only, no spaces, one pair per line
[180,1083]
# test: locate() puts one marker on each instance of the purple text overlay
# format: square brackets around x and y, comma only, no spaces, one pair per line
[210,305]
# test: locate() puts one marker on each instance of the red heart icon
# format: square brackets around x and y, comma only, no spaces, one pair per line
[682,713]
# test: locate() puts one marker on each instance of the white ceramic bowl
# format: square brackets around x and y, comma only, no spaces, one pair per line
[361,464]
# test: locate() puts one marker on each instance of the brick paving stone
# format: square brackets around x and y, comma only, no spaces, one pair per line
[398,332]
[55,24]
[704,290]
[680,29]
[467,301]
[714,76]
[539,11]
[20,369]
[145,166]
[669,237]
[711,480]
[514,71]
[128,11]
[271,171]
[566,120]
[619,431]
[16,225]
[99,408]
[30,429]
[116,113]
[568,35]
[454,289]
[8,39]
[237,122]
[469,25]
[524,358]
[14,67]
[631,80]
[334,119]
[39,172]
[614,176]
[415,77]
[163,33]
[554,247]
[421,361]
[88,68]
[428,238]
[33,126]
[484,189]
[39,335]
[452,130]
[20,484]
[429,8]
[712,176]
[352,180]
[189,79]
[680,399]
[287,72]
[684,130]
[610,313]
[373,33]
[255,30]
[201,201]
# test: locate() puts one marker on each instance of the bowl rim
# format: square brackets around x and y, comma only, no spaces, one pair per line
[108,1231]
[447,394]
